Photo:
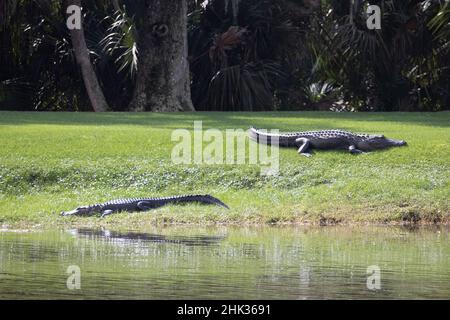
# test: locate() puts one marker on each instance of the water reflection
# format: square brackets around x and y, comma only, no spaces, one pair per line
[227,263]
[133,237]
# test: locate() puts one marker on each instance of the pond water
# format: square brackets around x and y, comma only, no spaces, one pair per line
[227,263]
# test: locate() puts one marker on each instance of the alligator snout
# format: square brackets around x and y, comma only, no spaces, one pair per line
[68,213]
[396,143]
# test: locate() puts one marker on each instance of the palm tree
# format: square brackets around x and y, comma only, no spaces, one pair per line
[81,51]
[243,53]
[375,67]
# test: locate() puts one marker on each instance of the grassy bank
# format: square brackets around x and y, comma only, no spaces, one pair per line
[51,162]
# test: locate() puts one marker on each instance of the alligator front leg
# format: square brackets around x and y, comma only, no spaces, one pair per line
[303,144]
[106,213]
[353,150]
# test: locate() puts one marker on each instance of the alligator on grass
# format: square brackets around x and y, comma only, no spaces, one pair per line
[140,204]
[305,141]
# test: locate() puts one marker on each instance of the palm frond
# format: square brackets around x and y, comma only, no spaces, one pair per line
[120,43]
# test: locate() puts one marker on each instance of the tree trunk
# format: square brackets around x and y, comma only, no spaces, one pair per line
[162,82]
[7,9]
[81,51]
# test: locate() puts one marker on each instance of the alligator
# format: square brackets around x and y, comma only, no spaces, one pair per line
[139,204]
[305,141]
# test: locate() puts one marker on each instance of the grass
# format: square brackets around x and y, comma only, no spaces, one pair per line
[51,162]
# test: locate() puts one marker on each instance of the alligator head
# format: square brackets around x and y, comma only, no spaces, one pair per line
[375,142]
[85,210]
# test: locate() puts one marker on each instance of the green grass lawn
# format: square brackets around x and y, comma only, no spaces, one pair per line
[51,162]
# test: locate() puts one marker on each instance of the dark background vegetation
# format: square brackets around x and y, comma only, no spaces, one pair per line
[245,55]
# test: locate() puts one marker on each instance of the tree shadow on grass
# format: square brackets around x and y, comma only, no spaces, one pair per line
[285,121]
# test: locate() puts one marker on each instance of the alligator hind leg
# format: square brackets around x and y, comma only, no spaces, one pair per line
[146,206]
[303,144]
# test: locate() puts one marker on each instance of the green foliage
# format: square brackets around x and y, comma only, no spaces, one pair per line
[120,43]
[244,55]
[232,57]
[317,91]
[38,57]
[395,68]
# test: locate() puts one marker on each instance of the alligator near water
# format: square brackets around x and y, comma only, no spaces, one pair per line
[305,141]
[140,204]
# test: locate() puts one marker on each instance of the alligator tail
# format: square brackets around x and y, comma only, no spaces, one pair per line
[202,198]
[264,136]
[212,200]
[254,134]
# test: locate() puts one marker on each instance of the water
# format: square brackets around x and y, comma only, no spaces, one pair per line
[227,263]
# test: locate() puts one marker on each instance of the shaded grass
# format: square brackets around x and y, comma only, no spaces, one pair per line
[51,162]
